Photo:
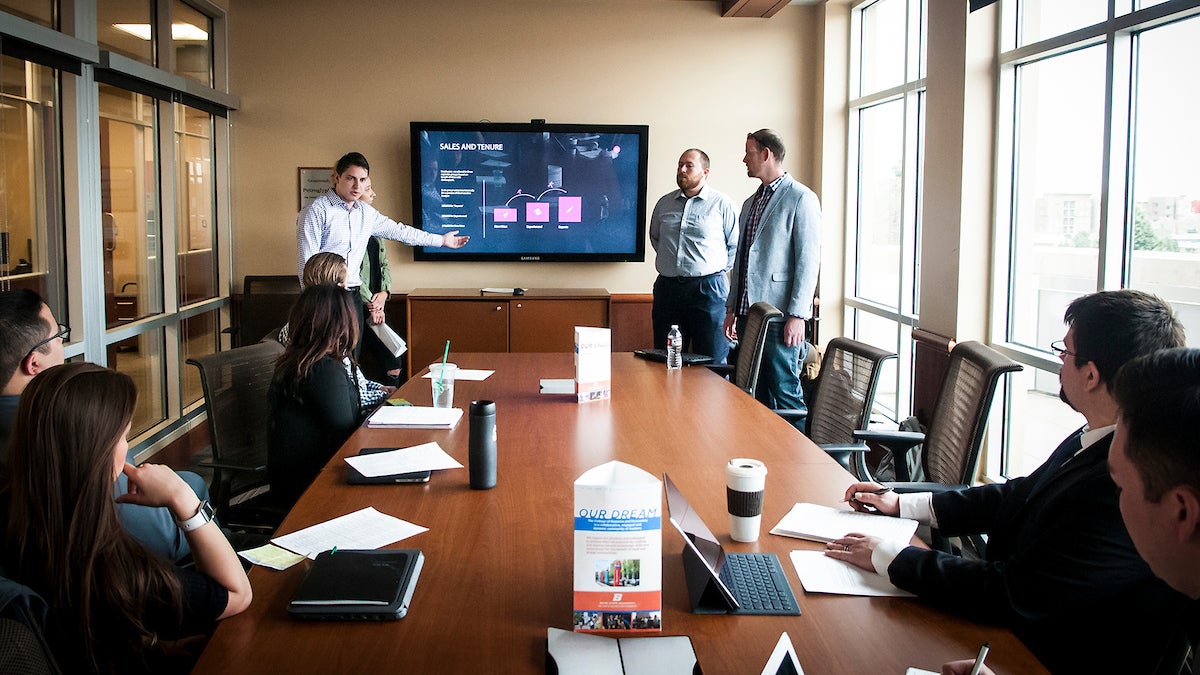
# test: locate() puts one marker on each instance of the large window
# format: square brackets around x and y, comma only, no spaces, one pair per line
[31,246]
[1098,138]
[886,108]
[147,251]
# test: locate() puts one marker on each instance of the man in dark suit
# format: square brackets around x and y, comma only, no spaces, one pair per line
[1060,568]
[778,260]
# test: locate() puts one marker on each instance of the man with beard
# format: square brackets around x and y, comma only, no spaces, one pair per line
[1060,568]
[694,233]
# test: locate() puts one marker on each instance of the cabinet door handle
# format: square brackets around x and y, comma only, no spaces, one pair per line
[519,305]
[499,308]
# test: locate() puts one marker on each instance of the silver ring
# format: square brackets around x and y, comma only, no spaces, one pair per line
[846,547]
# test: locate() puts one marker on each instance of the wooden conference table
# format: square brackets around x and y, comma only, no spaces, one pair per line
[499,562]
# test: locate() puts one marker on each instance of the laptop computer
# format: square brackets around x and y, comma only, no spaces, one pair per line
[354,477]
[726,583]
[349,585]
[660,355]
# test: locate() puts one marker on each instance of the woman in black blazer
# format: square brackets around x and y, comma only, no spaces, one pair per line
[314,401]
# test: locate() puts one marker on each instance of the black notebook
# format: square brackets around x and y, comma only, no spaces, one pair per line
[352,585]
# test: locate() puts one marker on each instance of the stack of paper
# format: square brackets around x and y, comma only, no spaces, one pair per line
[362,529]
[821,523]
[415,417]
[821,574]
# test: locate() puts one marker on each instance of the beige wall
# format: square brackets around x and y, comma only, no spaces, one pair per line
[314,85]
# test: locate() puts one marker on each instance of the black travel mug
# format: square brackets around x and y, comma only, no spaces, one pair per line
[481,449]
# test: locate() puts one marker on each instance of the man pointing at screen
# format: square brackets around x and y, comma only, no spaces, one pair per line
[339,222]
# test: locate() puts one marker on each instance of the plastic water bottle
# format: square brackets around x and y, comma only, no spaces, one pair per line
[674,349]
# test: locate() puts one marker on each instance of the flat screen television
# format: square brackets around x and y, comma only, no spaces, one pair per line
[531,192]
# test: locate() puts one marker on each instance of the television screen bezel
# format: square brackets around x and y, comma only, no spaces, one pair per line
[439,254]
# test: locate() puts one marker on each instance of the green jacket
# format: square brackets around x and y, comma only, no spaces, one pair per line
[385,274]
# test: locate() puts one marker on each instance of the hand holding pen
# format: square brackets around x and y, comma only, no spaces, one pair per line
[873,498]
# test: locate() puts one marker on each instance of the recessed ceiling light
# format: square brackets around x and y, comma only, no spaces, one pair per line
[179,31]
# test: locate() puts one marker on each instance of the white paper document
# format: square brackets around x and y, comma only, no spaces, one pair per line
[466,374]
[821,574]
[425,457]
[363,529]
[821,523]
[414,417]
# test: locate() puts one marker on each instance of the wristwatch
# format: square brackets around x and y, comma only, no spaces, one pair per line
[204,514]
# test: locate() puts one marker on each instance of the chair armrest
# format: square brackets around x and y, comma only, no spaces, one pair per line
[892,439]
[844,447]
[908,488]
[722,369]
[232,467]
[852,457]
[791,415]
[898,443]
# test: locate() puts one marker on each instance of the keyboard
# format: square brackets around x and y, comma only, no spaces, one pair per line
[758,583]
[660,355]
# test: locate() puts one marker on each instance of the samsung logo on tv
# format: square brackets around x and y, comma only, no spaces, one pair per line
[530,258]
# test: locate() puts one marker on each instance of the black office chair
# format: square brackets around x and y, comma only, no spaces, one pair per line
[23,646]
[955,437]
[751,344]
[236,385]
[845,393]
[265,303]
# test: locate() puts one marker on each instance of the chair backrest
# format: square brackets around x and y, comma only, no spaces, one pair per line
[850,373]
[265,303]
[751,343]
[23,646]
[960,415]
[236,385]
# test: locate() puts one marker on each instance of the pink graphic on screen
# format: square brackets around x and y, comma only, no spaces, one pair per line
[502,215]
[537,212]
[570,209]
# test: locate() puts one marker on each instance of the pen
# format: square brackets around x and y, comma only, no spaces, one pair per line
[983,652]
[880,491]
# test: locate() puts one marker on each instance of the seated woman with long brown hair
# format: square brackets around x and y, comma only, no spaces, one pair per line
[114,605]
[314,400]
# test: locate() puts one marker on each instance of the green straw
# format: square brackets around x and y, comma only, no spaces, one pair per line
[442,371]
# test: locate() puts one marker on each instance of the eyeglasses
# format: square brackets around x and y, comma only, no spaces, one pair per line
[64,332]
[1060,349]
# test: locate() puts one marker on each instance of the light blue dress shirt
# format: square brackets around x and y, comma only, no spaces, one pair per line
[694,237]
[328,224]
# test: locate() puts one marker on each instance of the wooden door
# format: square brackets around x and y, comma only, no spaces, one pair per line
[469,325]
[549,325]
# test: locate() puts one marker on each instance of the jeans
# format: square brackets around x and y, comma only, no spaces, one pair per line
[778,385]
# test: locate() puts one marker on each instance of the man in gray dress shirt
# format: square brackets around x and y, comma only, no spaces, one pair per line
[694,233]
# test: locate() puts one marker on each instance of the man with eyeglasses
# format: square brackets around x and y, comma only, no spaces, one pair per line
[1060,568]
[31,340]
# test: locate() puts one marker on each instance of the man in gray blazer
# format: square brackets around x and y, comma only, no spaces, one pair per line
[778,258]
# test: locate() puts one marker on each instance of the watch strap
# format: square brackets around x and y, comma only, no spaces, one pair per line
[204,514]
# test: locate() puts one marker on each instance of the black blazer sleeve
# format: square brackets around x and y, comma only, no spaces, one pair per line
[1061,570]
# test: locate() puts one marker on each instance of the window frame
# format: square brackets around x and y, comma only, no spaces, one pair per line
[1118,35]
